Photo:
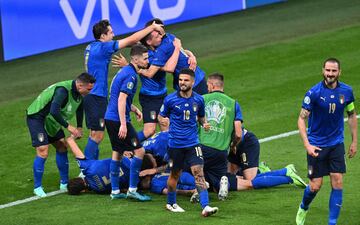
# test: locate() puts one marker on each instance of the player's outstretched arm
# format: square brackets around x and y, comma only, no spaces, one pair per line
[353,129]
[136,37]
[173,60]
[75,148]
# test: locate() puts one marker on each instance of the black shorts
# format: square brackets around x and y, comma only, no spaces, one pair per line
[247,154]
[150,107]
[330,160]
[185,156]
[95,108]
[131,141]
[38,134]
[215,165]
[201,88]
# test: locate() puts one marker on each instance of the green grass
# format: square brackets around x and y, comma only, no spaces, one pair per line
[270,56]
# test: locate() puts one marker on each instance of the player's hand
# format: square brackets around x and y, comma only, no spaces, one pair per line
[139,115]
[122,131]
[313,150]
[128,154]
[177,43]
[192,62]
[146,172]
[119,61]
[352,150]
[206,126]
[81,133]
[159,28]
[73,131]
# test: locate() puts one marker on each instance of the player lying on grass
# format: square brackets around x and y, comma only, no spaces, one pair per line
[97,172]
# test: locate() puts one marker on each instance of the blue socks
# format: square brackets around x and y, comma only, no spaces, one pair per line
[187,179]
[62,163]
[114,175]
[281,172]
[141,136]
[270,181]
[135,167]
[91,149]
[171,197]
[204,198]
[307,198]
[38,169]
[335,203]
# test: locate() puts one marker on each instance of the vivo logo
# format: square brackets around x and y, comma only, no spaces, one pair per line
[80,28]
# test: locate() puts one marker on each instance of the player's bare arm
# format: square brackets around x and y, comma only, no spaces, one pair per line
[303,117]
[137,112]
[352,120]
[122,110]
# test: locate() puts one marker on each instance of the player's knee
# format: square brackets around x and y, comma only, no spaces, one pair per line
[42,151]
[315,187]
[336,181]
[149,130]
[139,153]
[97,136]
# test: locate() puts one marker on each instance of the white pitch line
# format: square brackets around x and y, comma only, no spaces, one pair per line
[287,134]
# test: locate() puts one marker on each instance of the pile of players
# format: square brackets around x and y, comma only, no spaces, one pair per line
[202,146]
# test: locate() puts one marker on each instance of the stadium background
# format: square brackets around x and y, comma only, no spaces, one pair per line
[270,57]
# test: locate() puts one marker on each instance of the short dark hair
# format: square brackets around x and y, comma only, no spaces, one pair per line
[149,23]
[147,163]
[86,78]
[332,60]
[216,76]
[138,49]
[76,186]
[100,28]
[188,72]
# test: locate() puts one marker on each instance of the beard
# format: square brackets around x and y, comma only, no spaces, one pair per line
[330,80]
[185,88]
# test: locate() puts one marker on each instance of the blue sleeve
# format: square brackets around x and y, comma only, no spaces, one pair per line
[351,97]
[238,113]
[110,47]
[201,112]
[83,163]
[308,101]
[164,110]
[128,84]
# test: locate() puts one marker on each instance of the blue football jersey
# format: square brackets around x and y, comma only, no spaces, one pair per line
[97,173]
[326,106]
[183,113]
[97,58]
[159,182]
[163,53]
[156,85]
[124,81]
[157,144]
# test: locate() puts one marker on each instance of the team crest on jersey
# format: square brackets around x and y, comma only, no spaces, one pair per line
[341,99]
[186,104]
[307,100]
[69,108]
[101,122]
[195,107]
[215,111]
[153,115]
[130,85]
[41,137]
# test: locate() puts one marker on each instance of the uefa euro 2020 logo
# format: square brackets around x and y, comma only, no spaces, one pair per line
[215,111]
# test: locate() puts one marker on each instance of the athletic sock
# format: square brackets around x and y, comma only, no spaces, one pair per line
[141,136]
[281,172]
[187,179]
[204,198]
[171,197]
[38,169]
[307,198]
[91,149]
[114,175]
[62,163]
[335,203]
[270,181]
[135,167]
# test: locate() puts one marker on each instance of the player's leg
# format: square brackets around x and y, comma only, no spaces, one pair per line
[62,160]
[95,108]
[317,168]
[113,130]
[148,131]
[194,157]
[39,140]
[337,168]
